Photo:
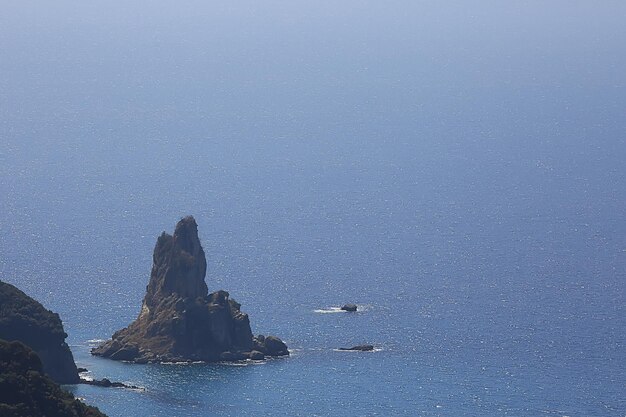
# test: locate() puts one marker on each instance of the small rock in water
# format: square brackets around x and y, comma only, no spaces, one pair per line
[270,346]
[349,307]
[106,383]
[362,348]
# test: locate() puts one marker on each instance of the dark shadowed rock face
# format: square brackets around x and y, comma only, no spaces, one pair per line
[179,320]
[26,391]
[26,320]
[179,265]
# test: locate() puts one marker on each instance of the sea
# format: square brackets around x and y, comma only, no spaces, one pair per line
[456,169]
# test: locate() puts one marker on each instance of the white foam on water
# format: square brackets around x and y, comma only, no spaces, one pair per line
[138,388]
[181,363]
[360,308]
[292,351]
[329,310]
[238,363]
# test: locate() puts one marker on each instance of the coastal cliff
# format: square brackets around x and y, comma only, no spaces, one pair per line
[26,391]
[179,319]
[24,319]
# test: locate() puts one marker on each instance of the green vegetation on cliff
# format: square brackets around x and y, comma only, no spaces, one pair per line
[24,319]
[26,391]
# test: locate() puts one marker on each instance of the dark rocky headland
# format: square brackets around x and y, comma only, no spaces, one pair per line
[24,319]
[25,390]
[179,320]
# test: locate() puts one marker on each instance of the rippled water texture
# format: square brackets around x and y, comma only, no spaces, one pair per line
[457,171]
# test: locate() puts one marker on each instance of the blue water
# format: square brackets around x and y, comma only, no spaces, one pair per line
[456,170]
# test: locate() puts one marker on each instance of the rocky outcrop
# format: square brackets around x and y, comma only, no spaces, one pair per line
[26,391]
[26,320]
[179,319]
[361,348]
[107,383]
[270,345]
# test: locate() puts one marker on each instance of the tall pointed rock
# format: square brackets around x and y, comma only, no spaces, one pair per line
[179,265]
[179,320]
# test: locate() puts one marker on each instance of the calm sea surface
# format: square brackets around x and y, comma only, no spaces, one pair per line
[456,171]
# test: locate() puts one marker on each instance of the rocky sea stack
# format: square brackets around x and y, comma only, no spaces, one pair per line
[179,320]
[24,319]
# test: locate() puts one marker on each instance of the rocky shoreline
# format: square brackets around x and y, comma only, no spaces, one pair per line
[24,319]
[179,322]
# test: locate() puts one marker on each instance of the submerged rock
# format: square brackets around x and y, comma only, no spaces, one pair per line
[349,307]
[179,321]
[362,348]
[24,319]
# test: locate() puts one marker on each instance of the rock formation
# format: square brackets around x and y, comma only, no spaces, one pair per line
[179,320]
[361,348]
[23,318]
[26,391]
[107,383]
